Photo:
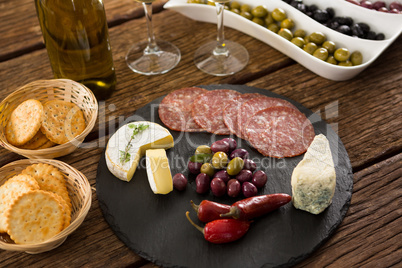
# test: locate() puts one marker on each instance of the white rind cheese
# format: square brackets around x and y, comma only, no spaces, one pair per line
[154,137]
[314,179]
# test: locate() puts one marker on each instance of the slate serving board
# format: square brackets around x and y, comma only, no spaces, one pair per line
[155,226]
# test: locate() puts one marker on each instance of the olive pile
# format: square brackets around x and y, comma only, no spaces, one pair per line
[344,24]
[381,6]
[222,168]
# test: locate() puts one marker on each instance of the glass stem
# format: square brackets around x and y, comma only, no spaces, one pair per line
[221,46]
[152,46]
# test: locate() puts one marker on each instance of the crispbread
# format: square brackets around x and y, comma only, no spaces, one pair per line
[24,122]
[9,191]
[34,217]
[27,178]
[43,173]
[37,141]
[62,121]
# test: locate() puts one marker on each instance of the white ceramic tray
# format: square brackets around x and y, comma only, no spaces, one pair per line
[387,23]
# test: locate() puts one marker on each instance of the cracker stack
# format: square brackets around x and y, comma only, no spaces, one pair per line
[35,205]
[33,125]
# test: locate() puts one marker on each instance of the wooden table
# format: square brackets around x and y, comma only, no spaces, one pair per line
[366,113]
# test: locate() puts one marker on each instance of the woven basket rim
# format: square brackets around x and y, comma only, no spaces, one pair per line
[76,141]
[59,238]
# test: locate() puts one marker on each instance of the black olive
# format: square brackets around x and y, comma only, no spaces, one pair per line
[345,29]
[312,8]
[331,12]
[344,20]
[333,24]
[371,35]
[357,30]
[364,26]
[380,36]
[302,7]
[287,1]
[321,15]
[294,3]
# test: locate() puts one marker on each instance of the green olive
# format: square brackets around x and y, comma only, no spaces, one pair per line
[259,12]
[287,23]
[235,166]
[298,41]
[307,39]
[273,27]
[279,14]
[321,53]
[269,19]
[235,10]
[342,54]
[299,33]
[310,48]
[258,21]
[219,160]
[332,60]
[203,149]
[317,38]
[345,63]
[211,3]
[246,14]
[286,33]
[245,7]
[330,46]
[235,5]
[208,169]
[356,58]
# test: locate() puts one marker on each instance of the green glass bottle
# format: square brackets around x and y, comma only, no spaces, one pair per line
[76,36]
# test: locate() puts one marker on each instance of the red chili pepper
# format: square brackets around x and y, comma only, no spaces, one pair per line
[223,230]
[208,210]
[256,206]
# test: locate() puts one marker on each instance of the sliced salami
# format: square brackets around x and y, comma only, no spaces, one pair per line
[280,132]
[232,109]
[251,107]
[208,110]
[175,109]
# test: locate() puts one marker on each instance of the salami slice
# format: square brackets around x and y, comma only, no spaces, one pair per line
[251,107]
[175,109]
[232,109]
[208,110]
[280,132]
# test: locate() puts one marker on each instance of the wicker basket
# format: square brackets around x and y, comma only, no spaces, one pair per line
[44,90]
[80,194]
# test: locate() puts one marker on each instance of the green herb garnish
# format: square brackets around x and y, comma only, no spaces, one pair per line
[125,155]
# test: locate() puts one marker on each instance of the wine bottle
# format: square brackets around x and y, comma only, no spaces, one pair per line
[76,36]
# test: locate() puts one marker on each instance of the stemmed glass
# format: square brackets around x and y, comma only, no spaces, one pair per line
[221,57]
[153,56]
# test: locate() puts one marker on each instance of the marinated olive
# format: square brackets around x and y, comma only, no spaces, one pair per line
[273,27]
[330,46]
[246,14]
[203,149]
[208,169]
[219,160]
[233,188]
[240,152]
[220,146]
[279,14]
[179,182]
[317,37]
[356,58]
[249,164]
[249,189]
[235,5]
[310,48]
[268,19]
[298,41]
[245,7]
[259,179]
[223,174]
[342,54]
[235,10]
[218,187]
[232,143]
[332,60]
[321,53]
[259,12]
[235,166]
[194,167]
[244,175]
[345,63]
[286,33]
[259,21]
[299,33]
[202,182]
[287,23]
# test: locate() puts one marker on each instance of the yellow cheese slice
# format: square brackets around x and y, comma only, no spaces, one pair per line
[158,171]
[154,137]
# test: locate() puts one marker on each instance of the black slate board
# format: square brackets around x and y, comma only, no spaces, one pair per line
[155,226]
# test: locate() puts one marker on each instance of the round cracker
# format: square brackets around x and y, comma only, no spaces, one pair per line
[45,174]
[24,122]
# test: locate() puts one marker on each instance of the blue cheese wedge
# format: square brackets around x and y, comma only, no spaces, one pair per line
[158,171]
[123,165]
[314,179]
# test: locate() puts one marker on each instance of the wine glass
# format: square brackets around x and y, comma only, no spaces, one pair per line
[221,57]
[153,56]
